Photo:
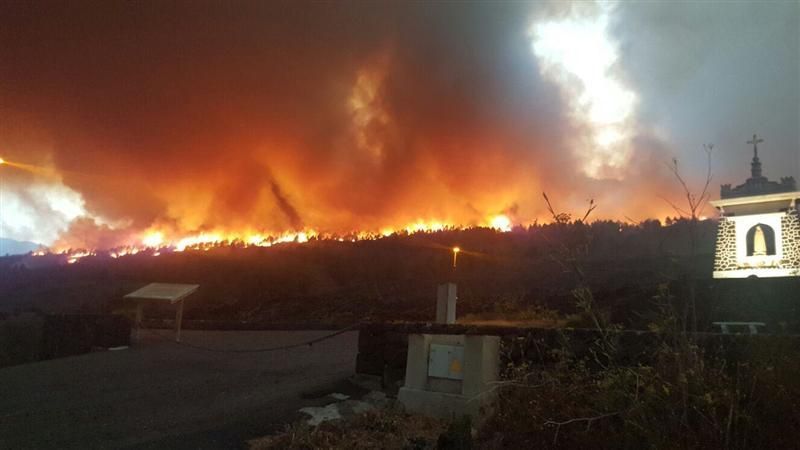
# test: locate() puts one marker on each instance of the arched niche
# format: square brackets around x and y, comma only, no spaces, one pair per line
[769,239]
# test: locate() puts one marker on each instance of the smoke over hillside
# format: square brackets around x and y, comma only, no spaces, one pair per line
[269,117]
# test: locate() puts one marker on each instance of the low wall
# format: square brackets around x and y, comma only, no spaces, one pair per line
[20,339]
[75,334]
[238,325]
[33,337]
[383,348]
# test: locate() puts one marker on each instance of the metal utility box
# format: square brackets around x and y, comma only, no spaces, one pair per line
[450,375]
[446,361]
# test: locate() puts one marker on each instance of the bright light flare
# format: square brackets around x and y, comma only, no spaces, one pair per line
[153,240]
[501,222]
[579,53]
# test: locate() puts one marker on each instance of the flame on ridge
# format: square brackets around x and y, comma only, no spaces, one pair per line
[155,242]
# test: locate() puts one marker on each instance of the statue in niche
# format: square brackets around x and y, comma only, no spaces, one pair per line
[759,242]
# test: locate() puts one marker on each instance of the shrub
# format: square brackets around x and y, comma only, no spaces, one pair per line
[684,397]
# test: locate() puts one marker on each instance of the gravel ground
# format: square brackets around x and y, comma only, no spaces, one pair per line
[161,395]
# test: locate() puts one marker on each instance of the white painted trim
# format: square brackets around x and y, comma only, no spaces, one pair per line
[743,224]
[789,196]
[760,273]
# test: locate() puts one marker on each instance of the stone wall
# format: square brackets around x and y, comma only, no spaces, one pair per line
[75,334]
[725,253]
[34,337]
[790,224]
[20,339]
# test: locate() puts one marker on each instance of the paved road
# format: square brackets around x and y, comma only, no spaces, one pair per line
[161,395]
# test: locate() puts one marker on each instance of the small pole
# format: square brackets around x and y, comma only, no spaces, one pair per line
[455,256]
[139,317]
[178,321]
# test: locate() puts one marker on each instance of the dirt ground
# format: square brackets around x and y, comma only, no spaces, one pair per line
[161,395]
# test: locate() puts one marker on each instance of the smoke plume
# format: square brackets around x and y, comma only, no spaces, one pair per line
[267,117]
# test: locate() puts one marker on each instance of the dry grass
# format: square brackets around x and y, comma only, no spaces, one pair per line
[382,429]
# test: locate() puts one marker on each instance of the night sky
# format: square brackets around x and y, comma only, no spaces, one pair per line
[121,118]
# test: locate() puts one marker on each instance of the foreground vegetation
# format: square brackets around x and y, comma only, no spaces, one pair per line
[683,397]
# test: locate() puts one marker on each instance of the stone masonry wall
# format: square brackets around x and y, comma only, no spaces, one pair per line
[725,254]
[791,240]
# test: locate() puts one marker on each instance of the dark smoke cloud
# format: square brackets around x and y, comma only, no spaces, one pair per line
[713,72]
[202,115]
[286,207]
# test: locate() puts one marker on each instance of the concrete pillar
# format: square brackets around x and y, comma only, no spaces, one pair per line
[417,361]
[481,364]
[449,396]
[446,303]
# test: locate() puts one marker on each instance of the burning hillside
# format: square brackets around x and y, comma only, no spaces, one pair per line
[156,242]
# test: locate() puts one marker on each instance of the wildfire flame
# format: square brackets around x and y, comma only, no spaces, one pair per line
[501,223]
[75,257]
[156,242]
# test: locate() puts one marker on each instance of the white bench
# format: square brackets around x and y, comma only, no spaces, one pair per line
[161,292]
[753,327]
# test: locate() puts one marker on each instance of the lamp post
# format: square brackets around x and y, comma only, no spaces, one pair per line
[2,161]
[446,295]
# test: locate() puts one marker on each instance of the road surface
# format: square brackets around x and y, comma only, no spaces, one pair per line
[161,395]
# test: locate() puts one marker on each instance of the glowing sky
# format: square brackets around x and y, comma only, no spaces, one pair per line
[126,121]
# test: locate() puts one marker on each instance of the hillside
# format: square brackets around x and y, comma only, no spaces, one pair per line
[12,247]
[499,275]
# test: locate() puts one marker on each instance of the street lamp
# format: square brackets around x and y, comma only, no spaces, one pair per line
[455,255]
[2,161]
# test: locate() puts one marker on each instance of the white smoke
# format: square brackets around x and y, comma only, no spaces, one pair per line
[38,211]
[576,52]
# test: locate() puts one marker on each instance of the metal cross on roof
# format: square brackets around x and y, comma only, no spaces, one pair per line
[755,142]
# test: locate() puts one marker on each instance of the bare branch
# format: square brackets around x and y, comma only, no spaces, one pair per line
[633,222]
[588,420]
[556,216]
[695,203]
[678,209]
[705,195]
[592,207]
